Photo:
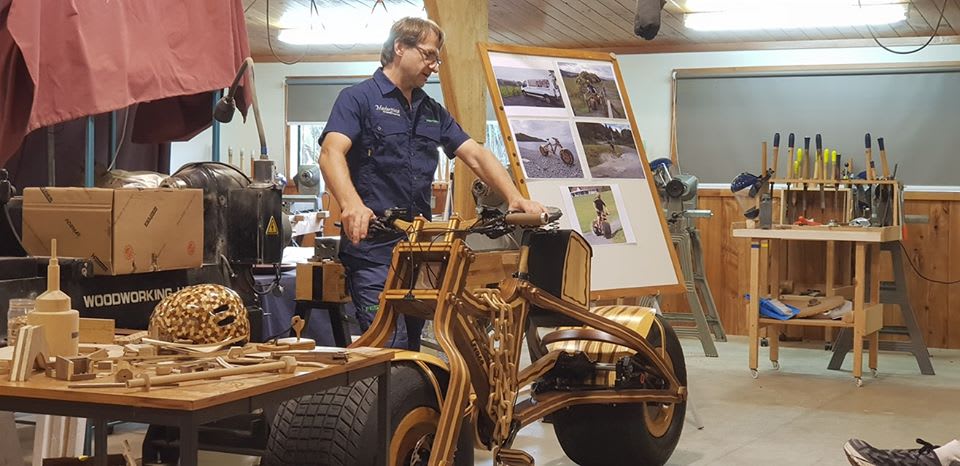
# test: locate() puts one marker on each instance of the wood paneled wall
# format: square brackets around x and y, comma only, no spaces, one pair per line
[932,247]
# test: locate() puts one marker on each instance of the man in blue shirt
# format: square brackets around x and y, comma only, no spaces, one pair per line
[379,151]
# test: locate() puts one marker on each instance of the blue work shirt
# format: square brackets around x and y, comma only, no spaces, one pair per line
[394,153]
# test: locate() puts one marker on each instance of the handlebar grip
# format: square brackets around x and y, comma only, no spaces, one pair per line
[525,219]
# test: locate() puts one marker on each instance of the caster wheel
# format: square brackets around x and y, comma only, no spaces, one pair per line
[754,373]
[828,346]
[776,365]
[859,382]
[764,343]
[874,373]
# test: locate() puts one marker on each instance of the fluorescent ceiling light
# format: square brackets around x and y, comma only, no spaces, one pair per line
[732,15]
[343,25]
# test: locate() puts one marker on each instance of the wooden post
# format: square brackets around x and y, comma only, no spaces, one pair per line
[464,23]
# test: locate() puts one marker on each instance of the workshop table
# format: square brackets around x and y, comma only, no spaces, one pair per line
[867,310]
[192,404]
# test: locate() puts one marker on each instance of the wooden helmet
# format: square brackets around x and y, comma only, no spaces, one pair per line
[200,314]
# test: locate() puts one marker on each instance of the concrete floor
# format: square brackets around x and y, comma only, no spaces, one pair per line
[800,415]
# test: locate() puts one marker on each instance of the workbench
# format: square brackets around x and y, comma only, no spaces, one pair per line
[193,404]
[867,311]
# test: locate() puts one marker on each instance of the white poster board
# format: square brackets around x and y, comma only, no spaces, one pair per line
[573,143]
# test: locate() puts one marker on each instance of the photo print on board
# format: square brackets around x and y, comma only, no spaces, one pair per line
[528,85]
[546,148]
[598,213]
[592,89]
[610,150]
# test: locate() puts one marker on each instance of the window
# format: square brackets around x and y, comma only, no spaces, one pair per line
[303,141]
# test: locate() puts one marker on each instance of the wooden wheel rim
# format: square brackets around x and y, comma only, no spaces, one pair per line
[416,425]
[659,416]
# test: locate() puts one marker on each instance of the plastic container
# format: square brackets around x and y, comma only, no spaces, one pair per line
[17,317]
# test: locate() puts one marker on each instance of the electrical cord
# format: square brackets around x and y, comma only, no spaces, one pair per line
[313,10]
[123,135]
[917,270]
[908,52]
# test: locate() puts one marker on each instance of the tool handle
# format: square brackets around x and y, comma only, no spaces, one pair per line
[790,141]
[819,143]
[763,158]
[776,153]
[869,154]
[883,159]
[806,163]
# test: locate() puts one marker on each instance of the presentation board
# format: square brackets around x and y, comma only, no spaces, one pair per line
[573,143]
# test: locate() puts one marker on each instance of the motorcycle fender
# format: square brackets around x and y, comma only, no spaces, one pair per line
[432,366]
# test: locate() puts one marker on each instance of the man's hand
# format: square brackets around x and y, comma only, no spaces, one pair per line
[355,221]
[526,205]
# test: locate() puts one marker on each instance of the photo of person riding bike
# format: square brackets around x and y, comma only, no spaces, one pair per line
[610,150]
[592,89]
[597,211]
[546,148]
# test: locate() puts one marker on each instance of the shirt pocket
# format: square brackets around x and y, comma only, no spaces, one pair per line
[428,152]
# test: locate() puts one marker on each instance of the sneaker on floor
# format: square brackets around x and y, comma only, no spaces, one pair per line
[861,453]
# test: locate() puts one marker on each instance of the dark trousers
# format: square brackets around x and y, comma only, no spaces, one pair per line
[365,282]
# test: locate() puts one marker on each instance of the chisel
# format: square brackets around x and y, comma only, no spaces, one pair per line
[776,153]
[871,176]
[835,160]
[883,159]
[791,170]
[806,173]
[821,175]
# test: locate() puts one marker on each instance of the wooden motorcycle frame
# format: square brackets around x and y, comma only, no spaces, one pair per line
[436,276]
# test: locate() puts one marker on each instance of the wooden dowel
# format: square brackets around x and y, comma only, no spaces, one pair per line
[287,365]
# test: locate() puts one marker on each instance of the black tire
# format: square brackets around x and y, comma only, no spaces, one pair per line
[607,232]
[338,427]
[603,435]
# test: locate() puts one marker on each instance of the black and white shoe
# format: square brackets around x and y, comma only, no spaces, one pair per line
[861,453]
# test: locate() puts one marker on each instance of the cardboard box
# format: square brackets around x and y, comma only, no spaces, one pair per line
[123,231]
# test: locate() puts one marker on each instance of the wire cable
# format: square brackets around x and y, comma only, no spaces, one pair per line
[908,52]
[917,270]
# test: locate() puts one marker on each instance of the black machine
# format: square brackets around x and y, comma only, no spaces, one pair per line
[244,228]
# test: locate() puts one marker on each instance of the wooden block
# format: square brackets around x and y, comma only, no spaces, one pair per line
[334,283]
[30,344]
[131,338]
[164,370]
[63,369]
[98,355]
[97,330]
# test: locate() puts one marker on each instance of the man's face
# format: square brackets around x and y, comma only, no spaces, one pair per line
[421,61]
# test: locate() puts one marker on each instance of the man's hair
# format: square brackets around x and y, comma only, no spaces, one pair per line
[410,31]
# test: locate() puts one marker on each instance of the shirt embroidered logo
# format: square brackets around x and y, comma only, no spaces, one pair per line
[388,110]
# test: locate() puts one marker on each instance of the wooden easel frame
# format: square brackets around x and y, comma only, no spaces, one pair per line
[517,171]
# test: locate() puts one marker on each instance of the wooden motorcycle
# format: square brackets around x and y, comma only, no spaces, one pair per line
[612,379]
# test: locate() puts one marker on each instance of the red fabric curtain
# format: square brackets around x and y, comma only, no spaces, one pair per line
[65,59]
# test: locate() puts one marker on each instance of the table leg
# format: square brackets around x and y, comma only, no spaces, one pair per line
[753,307]
[188,443]
[773,336]
[859,313]
[100,442]
[874,299]
[383,426]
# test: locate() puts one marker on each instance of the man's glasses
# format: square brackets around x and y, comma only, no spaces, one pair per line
[432,57]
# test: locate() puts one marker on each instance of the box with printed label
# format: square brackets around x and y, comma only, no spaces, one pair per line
[123,231]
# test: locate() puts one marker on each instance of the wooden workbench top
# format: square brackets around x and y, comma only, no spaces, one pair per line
[190,396]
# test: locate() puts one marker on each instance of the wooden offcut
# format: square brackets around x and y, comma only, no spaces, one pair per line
[100,331]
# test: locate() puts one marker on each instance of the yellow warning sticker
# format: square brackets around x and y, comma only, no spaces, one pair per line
[272,229]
